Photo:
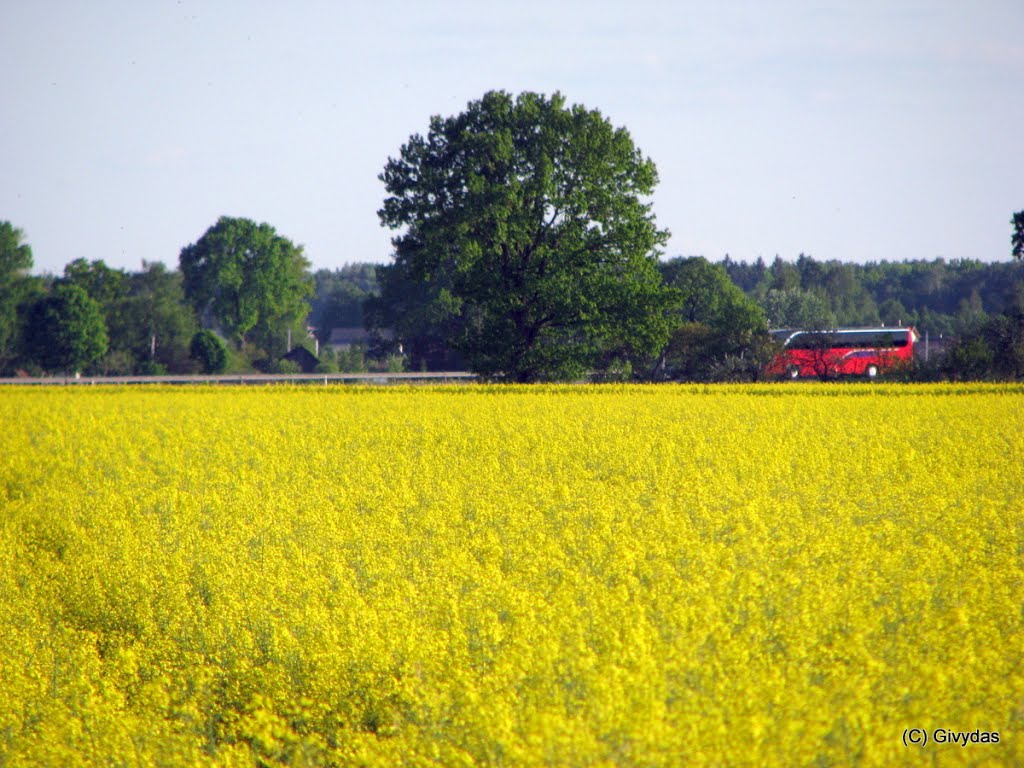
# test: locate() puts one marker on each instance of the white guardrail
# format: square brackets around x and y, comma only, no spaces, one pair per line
[249,378]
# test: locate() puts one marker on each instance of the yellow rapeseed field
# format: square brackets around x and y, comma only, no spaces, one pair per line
[790,575]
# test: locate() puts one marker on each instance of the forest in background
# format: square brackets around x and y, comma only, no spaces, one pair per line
[942,298]
[972,312]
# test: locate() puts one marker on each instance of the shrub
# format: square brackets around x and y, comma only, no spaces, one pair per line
[351,360]
[150,368]
[209,351]
[287,367]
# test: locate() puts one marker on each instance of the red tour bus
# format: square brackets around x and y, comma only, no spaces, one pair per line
[843,352]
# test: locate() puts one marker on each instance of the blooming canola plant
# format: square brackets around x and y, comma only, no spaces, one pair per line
[473,575]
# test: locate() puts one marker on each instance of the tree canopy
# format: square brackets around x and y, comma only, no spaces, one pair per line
[252,281]
[15,262]
[105,285]
[209,352]
[1017,238]
[339,297]
[717,321]
[156,324]
[708,296]
[526,242]
[66,330]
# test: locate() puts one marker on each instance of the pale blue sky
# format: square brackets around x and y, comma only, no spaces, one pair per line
[855,130]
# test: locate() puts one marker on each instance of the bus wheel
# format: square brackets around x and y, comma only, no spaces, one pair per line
[793,372]
[871,371]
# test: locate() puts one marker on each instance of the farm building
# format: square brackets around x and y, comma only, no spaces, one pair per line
[303,358]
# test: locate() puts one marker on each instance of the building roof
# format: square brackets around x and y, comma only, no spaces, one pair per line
[303,358]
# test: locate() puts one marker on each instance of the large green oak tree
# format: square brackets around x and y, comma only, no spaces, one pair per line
[525,241]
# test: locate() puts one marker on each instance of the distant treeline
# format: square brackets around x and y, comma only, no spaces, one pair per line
[105,321]
[971,311]
[943,298]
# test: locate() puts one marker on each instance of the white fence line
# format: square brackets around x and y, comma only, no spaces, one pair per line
[248,378]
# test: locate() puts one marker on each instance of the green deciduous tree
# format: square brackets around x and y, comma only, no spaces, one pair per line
[157,324]
[65,330]
[250,280]
[340,297]
[707,295]
[994,348]
[1017,238]
[108,287]
[1005,335]
[526,241]
[718,324]
[209,352]
[15,262]
[796,308]
[104,285]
